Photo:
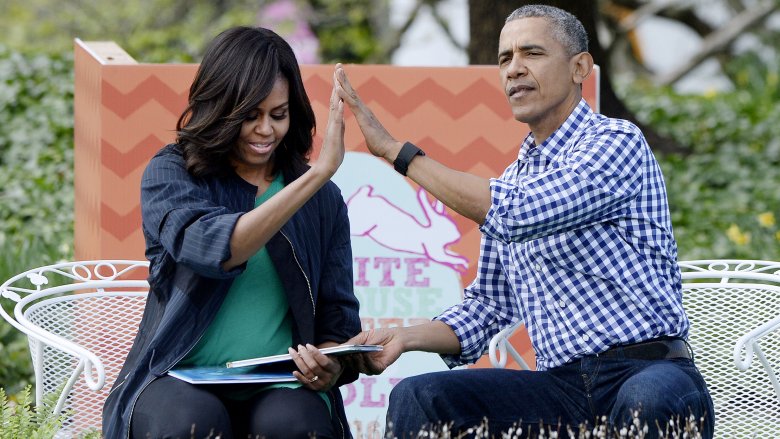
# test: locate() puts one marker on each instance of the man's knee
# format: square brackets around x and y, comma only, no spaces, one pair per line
[425,390]
[664,395]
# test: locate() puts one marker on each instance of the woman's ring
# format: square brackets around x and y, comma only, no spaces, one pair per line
[311,380]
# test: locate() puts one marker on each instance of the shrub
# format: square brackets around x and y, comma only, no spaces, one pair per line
[20,420]
[36,155]
[36,181]
[724,195]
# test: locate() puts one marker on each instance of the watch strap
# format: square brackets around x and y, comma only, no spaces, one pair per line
[408,152]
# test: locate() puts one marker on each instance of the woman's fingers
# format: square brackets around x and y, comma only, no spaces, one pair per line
[315,370]
[332,153]
[335,126]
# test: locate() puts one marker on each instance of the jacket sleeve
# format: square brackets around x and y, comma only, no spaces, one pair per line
[180,212]
[337,307]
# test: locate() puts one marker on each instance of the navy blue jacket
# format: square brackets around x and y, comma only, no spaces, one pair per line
[187,223]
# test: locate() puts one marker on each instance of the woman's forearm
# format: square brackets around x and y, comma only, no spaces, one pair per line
[255,228]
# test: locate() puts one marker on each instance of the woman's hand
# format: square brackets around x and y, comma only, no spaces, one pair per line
[332,152]
[378,140]
[316,370]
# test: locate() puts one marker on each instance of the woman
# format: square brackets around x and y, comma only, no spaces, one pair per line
[249,254]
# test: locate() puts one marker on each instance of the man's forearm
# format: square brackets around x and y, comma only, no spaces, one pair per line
[435,336]
[465,193]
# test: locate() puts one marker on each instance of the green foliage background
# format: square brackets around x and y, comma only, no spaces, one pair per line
[724,195]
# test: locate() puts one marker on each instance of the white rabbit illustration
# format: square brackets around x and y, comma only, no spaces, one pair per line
[392,227]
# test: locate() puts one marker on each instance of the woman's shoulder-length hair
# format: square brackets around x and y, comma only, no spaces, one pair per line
[238,71]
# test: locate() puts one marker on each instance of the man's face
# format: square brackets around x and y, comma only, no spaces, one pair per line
[537,74]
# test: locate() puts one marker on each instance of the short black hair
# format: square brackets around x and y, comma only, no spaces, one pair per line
[567,29]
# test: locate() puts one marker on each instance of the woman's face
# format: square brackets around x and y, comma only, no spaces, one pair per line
[262,132]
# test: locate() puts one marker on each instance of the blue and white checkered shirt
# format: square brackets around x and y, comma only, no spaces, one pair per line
[578,245]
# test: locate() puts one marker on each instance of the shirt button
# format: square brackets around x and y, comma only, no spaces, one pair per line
[562,304]
[585,337]
[538,267]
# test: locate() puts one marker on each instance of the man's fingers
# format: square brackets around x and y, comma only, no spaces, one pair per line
[346,91]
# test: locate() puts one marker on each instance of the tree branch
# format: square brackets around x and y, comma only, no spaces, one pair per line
[444,25]
[719,40]
[392,43]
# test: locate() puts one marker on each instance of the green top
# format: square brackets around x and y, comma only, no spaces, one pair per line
[253,321]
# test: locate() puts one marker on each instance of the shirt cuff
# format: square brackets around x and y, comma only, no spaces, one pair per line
[464,328]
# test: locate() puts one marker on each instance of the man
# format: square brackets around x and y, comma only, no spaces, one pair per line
[577,243]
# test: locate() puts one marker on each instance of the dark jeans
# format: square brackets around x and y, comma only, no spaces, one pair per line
[171,408]
[593,390]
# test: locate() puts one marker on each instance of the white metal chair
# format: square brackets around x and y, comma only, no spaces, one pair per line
[734,310]
[80,319]
[500,346]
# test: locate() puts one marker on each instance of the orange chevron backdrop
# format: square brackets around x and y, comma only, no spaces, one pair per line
[126,111]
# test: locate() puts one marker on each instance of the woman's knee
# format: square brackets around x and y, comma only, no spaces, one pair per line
[290,413]
[175,409]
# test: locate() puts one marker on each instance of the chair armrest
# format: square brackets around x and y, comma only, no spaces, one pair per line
[92,363]
[94,371]
[749,344]
[499,345]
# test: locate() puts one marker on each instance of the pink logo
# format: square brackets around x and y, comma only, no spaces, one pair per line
[391,227]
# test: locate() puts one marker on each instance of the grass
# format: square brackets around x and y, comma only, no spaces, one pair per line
[689,428]
[20,420]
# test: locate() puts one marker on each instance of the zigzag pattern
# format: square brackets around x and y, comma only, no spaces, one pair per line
[124,163]
[474,152]
[118,225]
[480,92]
[152,88]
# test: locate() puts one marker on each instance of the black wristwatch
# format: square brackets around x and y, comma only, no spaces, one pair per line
[408,152]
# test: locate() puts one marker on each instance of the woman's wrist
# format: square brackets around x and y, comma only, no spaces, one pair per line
[321,173]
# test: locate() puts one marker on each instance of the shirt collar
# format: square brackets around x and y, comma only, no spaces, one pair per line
[550,147]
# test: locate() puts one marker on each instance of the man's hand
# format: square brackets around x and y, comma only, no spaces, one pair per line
[467,194]
[374,363]
[378,140]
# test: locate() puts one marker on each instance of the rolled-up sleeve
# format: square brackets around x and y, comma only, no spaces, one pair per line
[180,213]
[597,181]
[488,306]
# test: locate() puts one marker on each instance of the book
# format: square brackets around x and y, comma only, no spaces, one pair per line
[224,375]
[343,349]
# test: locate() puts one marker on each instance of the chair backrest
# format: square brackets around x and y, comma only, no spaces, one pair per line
[734,309]
[80,319]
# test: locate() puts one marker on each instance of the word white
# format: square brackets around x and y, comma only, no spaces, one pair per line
[386,266]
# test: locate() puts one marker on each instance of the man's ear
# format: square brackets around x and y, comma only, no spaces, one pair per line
[582,66]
